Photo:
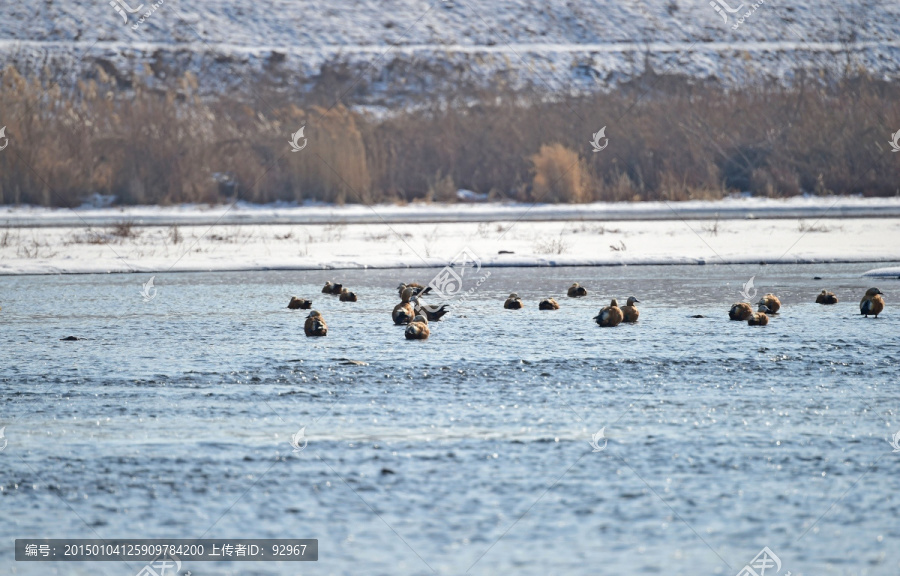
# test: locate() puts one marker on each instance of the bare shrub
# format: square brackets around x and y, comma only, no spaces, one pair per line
[441,189]
[124,230]
[676,187]
[814,227]
[620,189]
[712,228]
[6,237]
[551,245]
[382,237]
[559,175]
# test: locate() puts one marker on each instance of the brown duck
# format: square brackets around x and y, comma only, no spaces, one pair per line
[332,288]
[299,304]
[513,302]
[740,311]
[771,302]
[548,304]
[576,290]
[758,319]
[315,325]
[418,329]
[630,311]
[872,303]
[826,297]
[348,296]
[416,288]
[404,312]
[610,315]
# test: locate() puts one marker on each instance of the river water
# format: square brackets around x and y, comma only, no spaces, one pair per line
[466,453]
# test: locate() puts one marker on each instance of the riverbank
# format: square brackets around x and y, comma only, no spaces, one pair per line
[242,213]
[151,239]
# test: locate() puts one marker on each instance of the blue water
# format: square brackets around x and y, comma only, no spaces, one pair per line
[466,452]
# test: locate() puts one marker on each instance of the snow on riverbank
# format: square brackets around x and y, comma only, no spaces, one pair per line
[54,250]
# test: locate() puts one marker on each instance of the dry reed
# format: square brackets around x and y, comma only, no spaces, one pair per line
[674,140]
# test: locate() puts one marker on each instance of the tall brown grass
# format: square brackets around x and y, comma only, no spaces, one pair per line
[559,176]
[669,139]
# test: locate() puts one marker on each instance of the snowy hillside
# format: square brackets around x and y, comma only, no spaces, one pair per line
[413,47]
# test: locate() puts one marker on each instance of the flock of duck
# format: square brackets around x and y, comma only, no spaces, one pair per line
[871,304]
[416,316]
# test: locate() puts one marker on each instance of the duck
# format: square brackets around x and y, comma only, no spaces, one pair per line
[631,312]
[416,287]
[771,302]
[315,324]
[576,290]
[299,304]
[348,296]
[764,309]
[548,304]
[432,313]
[826,297]
[332,288]
[404,312]
[758,319]
[872,302]
[513,302]
[740,311]
[418,329]
[610,315]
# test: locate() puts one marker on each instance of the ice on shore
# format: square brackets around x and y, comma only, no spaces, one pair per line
[805,207]
[891,272]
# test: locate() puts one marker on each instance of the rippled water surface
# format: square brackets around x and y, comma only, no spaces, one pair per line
[466,452]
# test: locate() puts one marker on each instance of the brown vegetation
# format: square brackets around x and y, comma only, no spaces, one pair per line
[668,140]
